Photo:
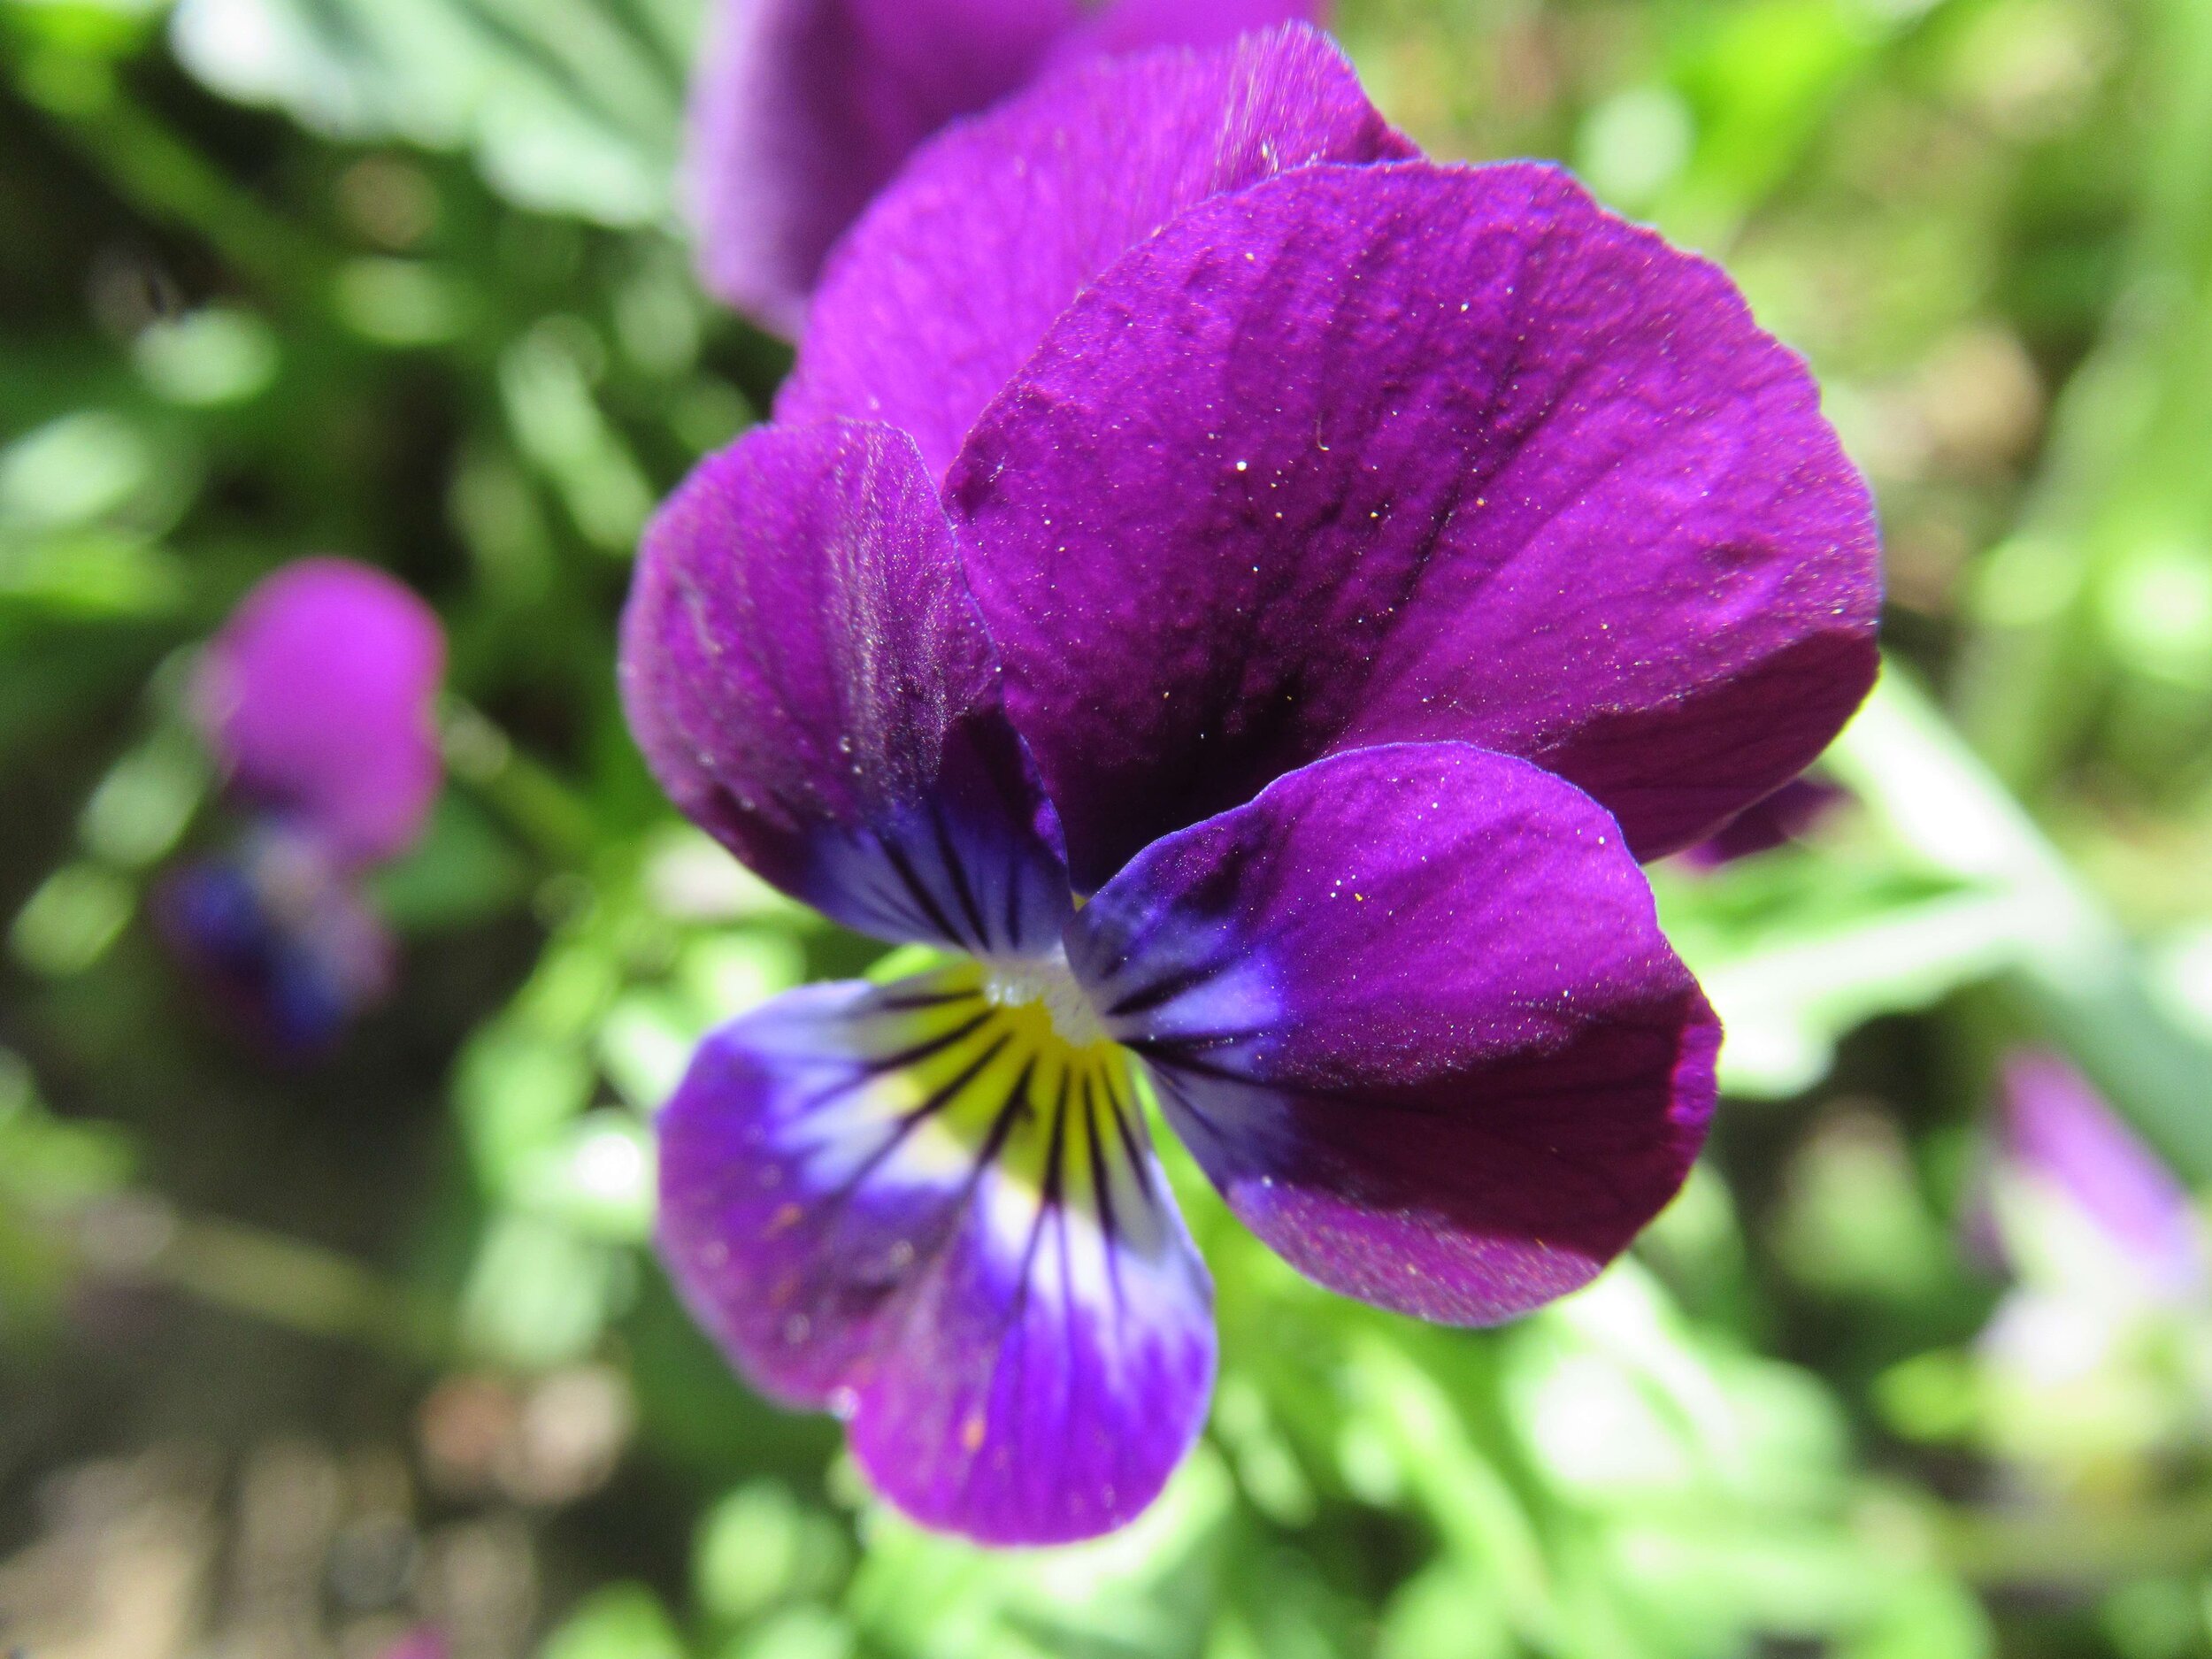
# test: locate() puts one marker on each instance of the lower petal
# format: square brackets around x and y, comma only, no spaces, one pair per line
[920,1207]
[1411,1010]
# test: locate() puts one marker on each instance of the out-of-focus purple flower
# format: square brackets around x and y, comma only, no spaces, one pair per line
[1783,817]
[2078,1198]
[424,1642]
[279,938]
[317,698]
[803,110]
[1340,569]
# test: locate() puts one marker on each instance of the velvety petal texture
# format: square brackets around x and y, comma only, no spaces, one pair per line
[810,682]
[945,287]
[319,699]
[1537,483]
[1411,1010]
[921,1205]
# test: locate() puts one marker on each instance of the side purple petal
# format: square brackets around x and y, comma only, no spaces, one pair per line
[914,1207]
[2057,1131]
[802,110]
[319,699]
[1409,452]
[804,670]
[948,284]
[1411,1010]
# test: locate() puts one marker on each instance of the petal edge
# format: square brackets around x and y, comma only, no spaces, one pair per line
[1411,1010]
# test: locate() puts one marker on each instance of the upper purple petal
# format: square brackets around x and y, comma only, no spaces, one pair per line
[319,697]
[1411,1010]
[920,1209]
[1128,25]
[946,287]
[804,670]
[2058,1131]
[1402,452]
[802,110]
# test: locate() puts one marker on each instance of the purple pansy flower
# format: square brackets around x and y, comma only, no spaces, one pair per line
[1253,595]
[803,110]
[317,698]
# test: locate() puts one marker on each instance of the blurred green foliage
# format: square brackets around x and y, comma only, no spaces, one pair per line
[402,279]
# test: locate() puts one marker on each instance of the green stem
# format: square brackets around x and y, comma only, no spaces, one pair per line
[301,1287]
[244,1269]
[2063,1546]
[2121,468]
[162,175]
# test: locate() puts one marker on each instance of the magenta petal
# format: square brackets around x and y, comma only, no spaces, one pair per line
[802,110]
[806,675]
[319,698]
[1411,1010]
[899,1202]
[948,284]
[1368,454]
[1128,25]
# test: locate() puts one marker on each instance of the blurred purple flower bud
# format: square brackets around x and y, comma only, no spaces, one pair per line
[319,696]
[2071,1180]
[281,939]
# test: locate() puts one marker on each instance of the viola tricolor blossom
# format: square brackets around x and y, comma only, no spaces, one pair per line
[1251,595]
[803,110]
[318,700]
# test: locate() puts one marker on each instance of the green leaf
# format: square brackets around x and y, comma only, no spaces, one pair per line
[461,872]
[567,106]
[1140,1590]
[623,1621]
[539,1294]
